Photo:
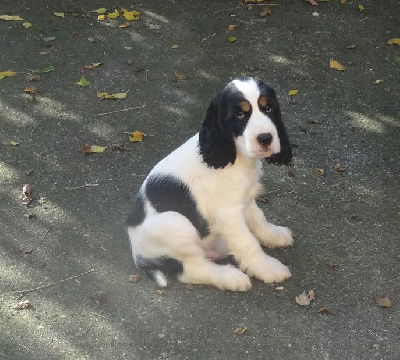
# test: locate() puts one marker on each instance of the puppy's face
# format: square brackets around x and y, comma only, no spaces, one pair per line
[245,117]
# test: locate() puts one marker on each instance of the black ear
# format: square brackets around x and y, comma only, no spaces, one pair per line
[216,146]
[284,157]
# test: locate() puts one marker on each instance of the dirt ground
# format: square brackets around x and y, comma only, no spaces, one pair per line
[69,246]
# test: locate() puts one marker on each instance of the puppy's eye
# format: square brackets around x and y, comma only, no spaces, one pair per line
[240,115]
[266,109]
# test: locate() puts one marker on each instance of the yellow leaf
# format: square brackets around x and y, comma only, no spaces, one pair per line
[394,41]
[180,76]
[26,25]
[232,39]
[101,17]
[112,96]
[31,90]
[293,92]
[124,25]
[7,73]
[336,65]
[97,149]
[175,47]
[14,143]
[137,136]
[113,15]
[100,10]
[131,15]
[379,81]
[361,8]
[321,172]
[59,14]
[11,18]
[93,65]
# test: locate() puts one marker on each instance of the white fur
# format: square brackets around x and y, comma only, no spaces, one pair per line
[225,198]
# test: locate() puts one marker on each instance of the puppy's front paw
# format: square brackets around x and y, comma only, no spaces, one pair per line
[277,236]
[268,269]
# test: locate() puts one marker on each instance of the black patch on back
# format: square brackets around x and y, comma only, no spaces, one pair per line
[137,214]
[167,193]
[165,264]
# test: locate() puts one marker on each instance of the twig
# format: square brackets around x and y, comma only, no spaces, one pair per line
[115,111]
[48,285]
[80,187]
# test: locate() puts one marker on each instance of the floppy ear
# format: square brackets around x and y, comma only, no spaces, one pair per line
[284,157]
[217,147]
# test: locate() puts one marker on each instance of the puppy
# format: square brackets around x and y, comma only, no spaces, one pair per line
[197,206]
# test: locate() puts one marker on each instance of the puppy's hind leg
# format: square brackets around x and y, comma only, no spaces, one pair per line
[170,235]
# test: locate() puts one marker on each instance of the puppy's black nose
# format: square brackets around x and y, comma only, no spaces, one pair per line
[264,139]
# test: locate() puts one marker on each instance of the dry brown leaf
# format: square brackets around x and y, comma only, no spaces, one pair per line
[241,329]
[311,295]
[22,305]
[134,278]
[174,47]
[321,172]
[86,149]
[339,168]
[265,12]
[326,311]
[26,195]
[137,136]
[180,76]
[279,288]
[25,250]
[351,47]
[302,299]
[33,78]
[336,65]
[262,198]
[159,292]
[119,147]
[383,302]
[313,2]
[232,27]
[31,90]
[379,81]
[332,265]
[355,217]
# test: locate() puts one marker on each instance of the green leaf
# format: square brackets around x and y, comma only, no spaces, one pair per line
[83,82]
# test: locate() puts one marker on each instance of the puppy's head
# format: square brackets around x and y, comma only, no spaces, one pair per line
[245,117]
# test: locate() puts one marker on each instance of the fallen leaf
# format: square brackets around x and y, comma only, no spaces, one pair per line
[25,250]
[315,14]
[241,329]
[254,1]
[49,38]
[232,39]
[14,143]
[302,299]
[266,11]
[267,41]
[232,27]
[100,10]
[332,265]
[33,78]
[48,69]
[383,302]
[93,65]
[159,292]
[355,217]
[137,136]
[379,81]
[26,195]
[311,295]
[339,168]
[119,147]
[7,74]
[59,14]
[129,62]
[11,17]
[180,76]
[262,198]
[154,27]
[95,149]
[22,305]
[394,41]
[112,96]
[26,25]
[91,39]
[336,65]
[279,288]
[343,2]
[361,8]
[351,47]
[174,47]
[387,89]
[134,278]
[86,149]
[83,82]
[325,310]
[321,172]
[293,92]
[101,17]
[313,2]
[31,90]
[113,15]
[124,25]
[131,15]
[75,32]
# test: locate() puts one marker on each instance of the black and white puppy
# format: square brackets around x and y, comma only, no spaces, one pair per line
[198,206]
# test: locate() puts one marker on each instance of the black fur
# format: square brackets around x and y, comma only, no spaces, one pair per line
[170,194]
[137,214]
[166,265]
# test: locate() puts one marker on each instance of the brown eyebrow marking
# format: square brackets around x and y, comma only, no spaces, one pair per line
[262,101]
[245,106]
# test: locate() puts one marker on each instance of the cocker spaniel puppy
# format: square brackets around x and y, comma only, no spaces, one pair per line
[197,206]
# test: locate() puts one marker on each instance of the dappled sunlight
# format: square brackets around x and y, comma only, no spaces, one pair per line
[56,109]
[366,122]
[156,16]
[14,116]
[282,60]
[7,172]
[207,75]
